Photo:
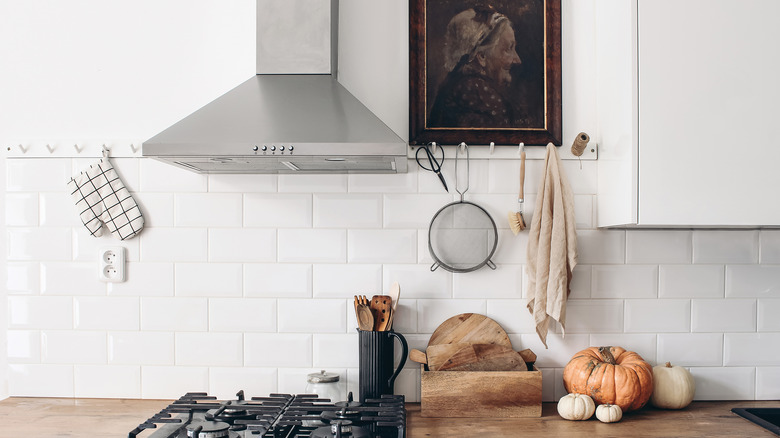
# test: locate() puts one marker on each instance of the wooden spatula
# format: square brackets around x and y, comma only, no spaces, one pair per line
[381,306]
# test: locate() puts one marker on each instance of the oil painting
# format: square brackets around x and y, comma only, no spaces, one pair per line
[484,72]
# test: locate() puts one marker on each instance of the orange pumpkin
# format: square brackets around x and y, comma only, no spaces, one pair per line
[610,375]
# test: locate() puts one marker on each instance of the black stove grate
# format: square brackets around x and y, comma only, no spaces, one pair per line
[277,416]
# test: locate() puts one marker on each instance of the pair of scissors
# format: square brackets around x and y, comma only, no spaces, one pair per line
[433,163]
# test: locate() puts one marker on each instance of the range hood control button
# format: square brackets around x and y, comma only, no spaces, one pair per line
[291,148]
[255,148]
[265,148]
[281,148]
[273,148]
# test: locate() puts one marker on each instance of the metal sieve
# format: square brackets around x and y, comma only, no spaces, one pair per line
[462,236]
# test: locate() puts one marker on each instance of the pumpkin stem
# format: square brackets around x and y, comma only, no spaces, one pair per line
[668,364]
[606,354]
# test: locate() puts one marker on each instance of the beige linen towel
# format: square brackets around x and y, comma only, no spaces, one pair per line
[552,247]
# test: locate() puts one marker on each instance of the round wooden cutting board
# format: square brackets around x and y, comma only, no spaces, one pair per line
[470,328]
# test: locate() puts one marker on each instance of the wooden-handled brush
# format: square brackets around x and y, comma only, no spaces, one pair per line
[516,221]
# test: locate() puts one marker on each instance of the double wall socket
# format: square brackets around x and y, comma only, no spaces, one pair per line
[112,264]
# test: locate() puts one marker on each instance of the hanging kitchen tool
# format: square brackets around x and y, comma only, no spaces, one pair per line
[516,220]
[462,236]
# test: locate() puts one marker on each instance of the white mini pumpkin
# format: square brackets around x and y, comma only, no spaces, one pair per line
[607,413]
[576,407]
[674,387]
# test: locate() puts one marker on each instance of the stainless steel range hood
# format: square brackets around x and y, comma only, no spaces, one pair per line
[283,123]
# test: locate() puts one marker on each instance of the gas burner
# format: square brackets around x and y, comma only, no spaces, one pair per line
[341,414]
[340,429]
[208,429]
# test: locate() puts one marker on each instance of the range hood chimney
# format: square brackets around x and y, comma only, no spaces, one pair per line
[293,116]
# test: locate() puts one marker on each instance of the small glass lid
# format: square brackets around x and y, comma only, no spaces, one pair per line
[322,377]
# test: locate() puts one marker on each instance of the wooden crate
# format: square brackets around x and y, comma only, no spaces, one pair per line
[501,394]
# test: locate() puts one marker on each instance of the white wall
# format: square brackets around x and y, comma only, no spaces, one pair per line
[287,253]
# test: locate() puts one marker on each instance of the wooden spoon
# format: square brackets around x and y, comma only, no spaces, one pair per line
[365,318]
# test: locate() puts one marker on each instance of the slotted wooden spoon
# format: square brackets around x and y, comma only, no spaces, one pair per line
[381,308]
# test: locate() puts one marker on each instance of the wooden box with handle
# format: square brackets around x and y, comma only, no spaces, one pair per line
[473,391]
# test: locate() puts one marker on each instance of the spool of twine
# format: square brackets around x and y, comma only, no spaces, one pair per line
[580,143]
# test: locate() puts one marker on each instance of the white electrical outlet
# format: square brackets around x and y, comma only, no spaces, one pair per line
[112,264]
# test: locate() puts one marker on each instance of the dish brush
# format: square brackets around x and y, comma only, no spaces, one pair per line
[516,220]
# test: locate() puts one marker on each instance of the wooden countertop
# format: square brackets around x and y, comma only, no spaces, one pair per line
[60,418]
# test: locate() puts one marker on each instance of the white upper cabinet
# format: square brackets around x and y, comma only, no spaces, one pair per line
[688,106]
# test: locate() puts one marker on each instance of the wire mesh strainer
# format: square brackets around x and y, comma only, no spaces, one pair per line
[462,236]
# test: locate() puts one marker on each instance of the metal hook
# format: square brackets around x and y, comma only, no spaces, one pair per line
[492,147]
[76,147]
[22,148]
[50,148]
[433,147]
[133,148]
[463,147]
[105,151]
[520,148]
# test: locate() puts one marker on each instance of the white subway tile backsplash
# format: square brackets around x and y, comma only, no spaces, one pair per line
[691,349]
[659,246]
[383,183]
[330,183]
[657,316]
[278,280]
[106,313]
[24,346]
[562,348]
[583,211]
[643,344]
[277,350]
[769,241]
[73,347]
[505,282]
[338,351]
[417,281]
[768,309]
[512,315]
[581,282]
[582,175]
[157,208]
[62,278]
[313,316]
[242,183]
[58,210]
[157,176]
[727,383]
[145,279]
[36,175]
[504,177]
[174,245]
[723,315]
[767,383]
[225,382]
[691,281]
[431,313]
[275,210]
[347,211]
[36,312]
[408,210]
[207,210]
[752,281]
[40,380]
[209,349]
[174,314]
[751,349]
[21,209]
[23,277]
[405,319]
[39,244]
[140,348]
[112,381]
[594,316]
[601,246]
[624,281]
[344,281]
[170,382]
[208,279]
[725,246]
[242,315]
[510,249]
[312,246]
[382,246]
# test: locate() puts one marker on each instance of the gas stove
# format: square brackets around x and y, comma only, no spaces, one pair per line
[198,415]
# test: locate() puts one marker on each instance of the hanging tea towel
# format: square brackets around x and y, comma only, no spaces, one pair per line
[101,197]
[552,247]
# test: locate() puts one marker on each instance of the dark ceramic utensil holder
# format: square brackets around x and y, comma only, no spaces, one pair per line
[376,362]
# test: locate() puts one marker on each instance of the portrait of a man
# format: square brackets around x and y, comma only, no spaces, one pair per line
[484,67]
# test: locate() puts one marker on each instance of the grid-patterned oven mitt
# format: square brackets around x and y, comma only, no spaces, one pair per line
[101,197]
